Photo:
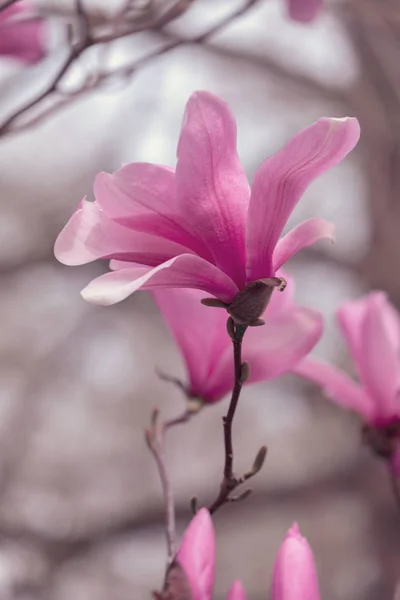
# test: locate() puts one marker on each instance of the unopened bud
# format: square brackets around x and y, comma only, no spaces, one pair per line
[250,303]
[259,460]
[244,372]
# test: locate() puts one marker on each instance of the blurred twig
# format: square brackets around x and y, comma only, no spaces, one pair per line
[86,40]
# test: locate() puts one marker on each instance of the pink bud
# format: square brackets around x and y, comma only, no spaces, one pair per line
[236,591]
[196,555]
[295,576]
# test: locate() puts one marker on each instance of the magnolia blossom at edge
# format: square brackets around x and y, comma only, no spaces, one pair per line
[371,327]
[289,334]
[202,226]
[294,576]
[21,37]
[304,11]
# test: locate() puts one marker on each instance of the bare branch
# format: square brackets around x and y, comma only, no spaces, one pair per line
[86,40]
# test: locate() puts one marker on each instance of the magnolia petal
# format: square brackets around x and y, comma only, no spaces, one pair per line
[90,234]
[21,39]
[199,331]
[295,576]
[196,555]
[236,592]
[337,385]
[305,234]
[273,349]
[212,189]
[141,196]
[184,271]
[379,359]
[282,179]
[304,11]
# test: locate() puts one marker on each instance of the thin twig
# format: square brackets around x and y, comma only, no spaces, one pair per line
[155,440]
[6,3]
[75,51]
[395,485]
[86,41]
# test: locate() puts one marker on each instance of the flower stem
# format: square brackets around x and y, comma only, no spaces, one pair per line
[229,481]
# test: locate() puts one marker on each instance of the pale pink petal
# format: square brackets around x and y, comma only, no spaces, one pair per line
[350,317]
[196,555]
[337,385]
[295,576]
[303,11]
[236,592]
[272,349]
[305,234]
[141,196]
[184,271]
[200,332]
[212,188]
[90,234]
[282,179]
[379,360]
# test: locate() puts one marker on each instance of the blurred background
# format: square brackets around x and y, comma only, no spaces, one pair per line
[81,514]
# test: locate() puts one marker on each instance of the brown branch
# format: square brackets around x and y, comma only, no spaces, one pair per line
[395,485]
[6,3]
[87,41]
[229,481]
[75,51]
[155,440]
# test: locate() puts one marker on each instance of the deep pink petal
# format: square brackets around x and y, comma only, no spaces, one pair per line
[304,11]
[282,179]
[272,349]
[141,196]
[184,271]
[199,331]
[379,359]
[337,385]
[90,234]
[212,189]
[196,555]
[295,576]
[22,39]
[236,592]
[305,234]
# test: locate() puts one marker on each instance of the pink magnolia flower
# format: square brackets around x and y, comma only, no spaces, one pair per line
[289,334]
[201,226]
[371,327]
[295,576]
[303,11]
[21,38]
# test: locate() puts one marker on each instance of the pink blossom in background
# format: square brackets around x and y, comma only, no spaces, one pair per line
[202,226]
[295,576]
[289,334]
[21,37]
[371,327]
[303,11]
